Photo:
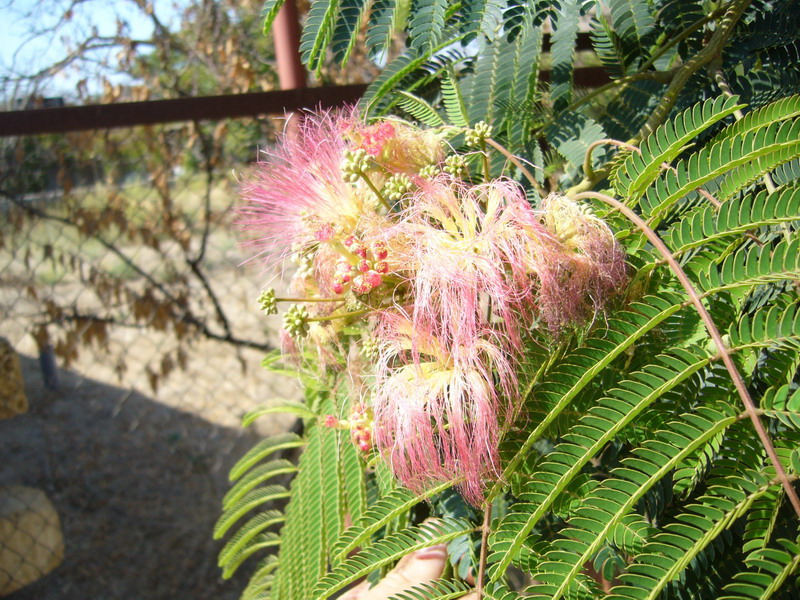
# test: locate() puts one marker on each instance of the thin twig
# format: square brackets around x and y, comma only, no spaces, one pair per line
[738,382]
[518,163]
[487,518]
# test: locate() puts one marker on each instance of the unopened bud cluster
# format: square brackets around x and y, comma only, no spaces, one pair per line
[455,165]
[370,349]
[295,321]
[360,426]
[367,273]
[355,163]
[396,186]
[267,302]
[429,172]
[478,134]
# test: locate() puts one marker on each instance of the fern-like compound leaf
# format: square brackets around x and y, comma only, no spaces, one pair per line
[382,25]
[679,542]
[582,443]
[389,549]
[381,513]
[563,51]
[574,374]
[248,532]
[780,110]
[736,217]
[640,169]
[436,590]
[427,24]
[317,32]
[265,541]
[750,266]
[269,11]
[250,501]
[616,496]
[345,31]
[261,474]
[770,568]
[420,109]
[264,448]
[778,142]
[278,406]
[453,100]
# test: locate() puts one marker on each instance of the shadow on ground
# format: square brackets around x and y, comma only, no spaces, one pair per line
[137,486]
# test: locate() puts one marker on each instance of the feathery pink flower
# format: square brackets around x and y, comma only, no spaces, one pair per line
[297,196]
[436,415]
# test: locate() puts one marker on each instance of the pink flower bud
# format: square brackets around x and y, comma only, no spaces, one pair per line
[373,278]
[379,250]
[330,421]
[361,285]
[382,267]
[363,265]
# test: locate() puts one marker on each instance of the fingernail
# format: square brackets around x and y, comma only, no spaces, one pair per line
[438,551]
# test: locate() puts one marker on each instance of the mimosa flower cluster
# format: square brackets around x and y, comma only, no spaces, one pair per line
[426,278]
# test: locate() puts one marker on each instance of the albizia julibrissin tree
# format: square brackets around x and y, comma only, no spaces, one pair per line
[564,325]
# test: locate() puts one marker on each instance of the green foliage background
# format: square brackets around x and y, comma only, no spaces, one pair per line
[635,472]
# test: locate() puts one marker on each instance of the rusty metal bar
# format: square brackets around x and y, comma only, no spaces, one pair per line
[204,108]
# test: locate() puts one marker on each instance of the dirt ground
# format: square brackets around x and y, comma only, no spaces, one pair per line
[137,484]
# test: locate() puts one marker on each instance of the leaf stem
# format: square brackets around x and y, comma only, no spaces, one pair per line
[487,518]
[697,62]
[518,163]
[738,382]
[332,299]
[356,313]
[376,191]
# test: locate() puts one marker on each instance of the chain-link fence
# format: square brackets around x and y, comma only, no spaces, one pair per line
[120,266]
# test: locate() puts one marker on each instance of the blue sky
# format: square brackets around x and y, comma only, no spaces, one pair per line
[19,55]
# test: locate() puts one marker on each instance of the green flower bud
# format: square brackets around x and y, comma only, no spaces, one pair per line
[455,165]
[295,321]
[478,134]
[267,302]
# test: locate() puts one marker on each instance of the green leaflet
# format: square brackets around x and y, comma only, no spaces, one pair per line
[256,477]
[420,109]
[317,32]
[572,375]
[437,590]
[261,542]
[749,266]
[426,26]
[345,32]
[278,405]
[248,532]
[565,33]
[780,110]
[246,504]
[269,11]
[382,25]
[453,101]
